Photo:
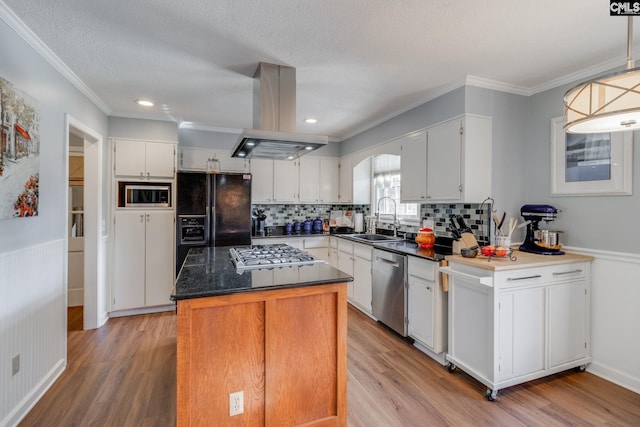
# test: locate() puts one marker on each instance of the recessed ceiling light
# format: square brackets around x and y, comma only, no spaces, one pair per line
[241,154]
[308,147]
[144,102]
[310,120]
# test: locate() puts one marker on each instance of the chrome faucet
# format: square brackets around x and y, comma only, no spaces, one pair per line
[395,214]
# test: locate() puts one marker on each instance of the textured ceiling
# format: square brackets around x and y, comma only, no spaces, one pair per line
[357,61]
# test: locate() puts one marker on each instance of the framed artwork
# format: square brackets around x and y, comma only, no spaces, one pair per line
[19,152]
[597,164]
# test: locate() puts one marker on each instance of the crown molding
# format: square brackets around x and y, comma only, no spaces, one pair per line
[206,128]
[17,25]
[496,85]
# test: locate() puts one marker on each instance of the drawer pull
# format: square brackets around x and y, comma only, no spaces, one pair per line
[537,276]
[567,272]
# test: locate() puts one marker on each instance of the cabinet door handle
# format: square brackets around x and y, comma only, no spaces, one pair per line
[560,273]
[141,174]
[392,263]
[537,276]
[148,217]
[141,218]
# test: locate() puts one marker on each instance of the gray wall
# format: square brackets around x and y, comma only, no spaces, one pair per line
[29,72]
[438,110]
[597,222]
[150,130]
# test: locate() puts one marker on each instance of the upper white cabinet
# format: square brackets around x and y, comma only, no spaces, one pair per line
[262,181]
[319,179]
[285,181]
[144,159]
[450,162]
[346,181]
[195,159]
[413,168]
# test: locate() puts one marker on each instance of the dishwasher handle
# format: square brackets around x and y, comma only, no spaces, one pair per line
[387,261]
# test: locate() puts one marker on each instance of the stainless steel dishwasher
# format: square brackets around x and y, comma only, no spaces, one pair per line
[389,299]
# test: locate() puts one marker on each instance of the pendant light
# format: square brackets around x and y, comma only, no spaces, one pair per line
[606,104]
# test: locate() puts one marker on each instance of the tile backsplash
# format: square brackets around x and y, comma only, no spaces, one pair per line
[476,216]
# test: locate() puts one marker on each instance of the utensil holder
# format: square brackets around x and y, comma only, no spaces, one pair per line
[503,241]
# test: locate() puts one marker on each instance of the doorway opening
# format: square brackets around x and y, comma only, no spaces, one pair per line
[89,221]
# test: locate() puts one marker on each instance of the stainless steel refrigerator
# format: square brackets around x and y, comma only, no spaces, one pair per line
[212,210]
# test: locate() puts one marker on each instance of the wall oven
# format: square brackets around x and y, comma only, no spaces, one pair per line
[193,229]
[144,195]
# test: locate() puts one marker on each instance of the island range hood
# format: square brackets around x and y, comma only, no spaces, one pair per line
[274,119]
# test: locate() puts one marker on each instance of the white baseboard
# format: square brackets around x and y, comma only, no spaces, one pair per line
[615,376]
[29,401]
[144,310]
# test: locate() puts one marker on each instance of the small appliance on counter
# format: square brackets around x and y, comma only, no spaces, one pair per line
[538,241]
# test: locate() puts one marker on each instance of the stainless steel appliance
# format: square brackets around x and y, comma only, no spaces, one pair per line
[389,298]
[136,195]
[537,241]
[216,206]
[266,256]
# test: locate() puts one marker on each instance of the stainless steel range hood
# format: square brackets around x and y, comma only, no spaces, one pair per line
[274,118]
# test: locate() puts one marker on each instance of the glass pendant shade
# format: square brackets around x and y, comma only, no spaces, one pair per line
[605,104]
[609,103]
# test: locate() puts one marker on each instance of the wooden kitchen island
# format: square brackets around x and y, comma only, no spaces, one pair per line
[277,335]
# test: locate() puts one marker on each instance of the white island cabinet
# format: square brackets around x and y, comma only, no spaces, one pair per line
[515,321]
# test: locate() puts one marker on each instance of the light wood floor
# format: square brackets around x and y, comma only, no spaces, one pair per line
[124,375]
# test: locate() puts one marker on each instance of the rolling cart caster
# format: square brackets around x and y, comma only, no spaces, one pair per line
[451,367]
[580,368]
[491,394]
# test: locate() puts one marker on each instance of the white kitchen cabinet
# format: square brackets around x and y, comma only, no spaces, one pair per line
[413,168]
[317,247]
[274,181]
[449,162]
[309,179]
[355,260]
[144,159]
[143,258]
[345,263]
[362,277]
[427,307]
[319,179]
[195,159]
[333,252]
[285,181]
[508,326]
[261,181]
[346,181]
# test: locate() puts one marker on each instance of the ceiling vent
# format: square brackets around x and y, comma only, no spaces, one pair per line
[274,118]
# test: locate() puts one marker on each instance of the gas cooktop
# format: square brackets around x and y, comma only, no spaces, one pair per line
[269,256]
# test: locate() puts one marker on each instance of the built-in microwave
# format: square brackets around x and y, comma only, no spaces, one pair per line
[136,195]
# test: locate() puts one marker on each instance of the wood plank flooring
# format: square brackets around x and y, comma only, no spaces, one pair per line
[124,375]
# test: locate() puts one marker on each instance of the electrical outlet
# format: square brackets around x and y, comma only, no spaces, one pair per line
[15,364]
[236,403]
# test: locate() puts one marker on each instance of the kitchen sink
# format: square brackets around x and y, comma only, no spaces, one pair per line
[375,237]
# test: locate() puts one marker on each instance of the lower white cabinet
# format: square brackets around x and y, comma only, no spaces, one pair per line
[427,305]
[333,252]
[355,260]
[511,326]
[143,258]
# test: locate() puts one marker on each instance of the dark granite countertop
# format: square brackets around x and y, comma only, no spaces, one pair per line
[407,247]
[210,272]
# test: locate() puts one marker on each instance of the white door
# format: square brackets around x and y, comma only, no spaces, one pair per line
[567,322]
[421,311]
[159,259]
[309,179]
[444,162]
[285,181]
[261,181]
[329,180]
[413,167]
[129,260]
[160,160]
[130,158]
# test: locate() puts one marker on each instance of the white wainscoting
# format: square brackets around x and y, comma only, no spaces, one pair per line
[32,324]
[615,316]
